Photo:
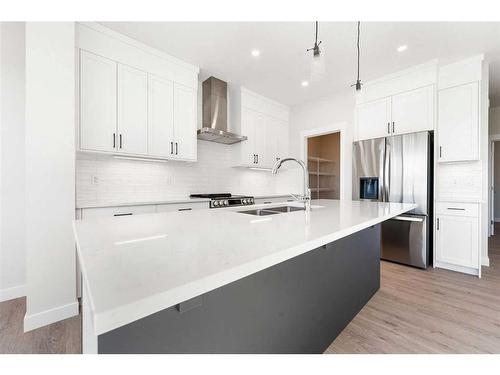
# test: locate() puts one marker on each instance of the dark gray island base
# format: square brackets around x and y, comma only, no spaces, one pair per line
[298,306]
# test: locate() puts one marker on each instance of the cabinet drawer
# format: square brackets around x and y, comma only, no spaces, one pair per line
[181,207]
[457,209]
[90,213]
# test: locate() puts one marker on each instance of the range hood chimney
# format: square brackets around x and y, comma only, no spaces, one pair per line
[215,113]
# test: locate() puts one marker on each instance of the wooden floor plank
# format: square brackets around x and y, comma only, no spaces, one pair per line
[431,311]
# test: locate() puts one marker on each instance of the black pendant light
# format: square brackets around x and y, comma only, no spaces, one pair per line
[318,59]
[358,81]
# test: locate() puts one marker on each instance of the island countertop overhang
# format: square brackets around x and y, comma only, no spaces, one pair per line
[136,266]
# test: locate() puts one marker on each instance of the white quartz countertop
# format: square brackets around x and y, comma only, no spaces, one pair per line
[134,266]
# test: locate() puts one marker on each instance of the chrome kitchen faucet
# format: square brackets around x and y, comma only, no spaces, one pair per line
[306,196]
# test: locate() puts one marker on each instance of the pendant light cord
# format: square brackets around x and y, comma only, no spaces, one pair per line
[359,22]
[316,41]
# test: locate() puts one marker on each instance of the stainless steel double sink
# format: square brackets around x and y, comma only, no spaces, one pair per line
[272,210]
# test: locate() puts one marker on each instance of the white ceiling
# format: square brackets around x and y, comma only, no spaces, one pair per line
[222,49]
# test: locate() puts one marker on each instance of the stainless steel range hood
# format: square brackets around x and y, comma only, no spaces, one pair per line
[215,113]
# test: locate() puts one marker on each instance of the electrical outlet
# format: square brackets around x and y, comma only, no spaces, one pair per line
[95,180]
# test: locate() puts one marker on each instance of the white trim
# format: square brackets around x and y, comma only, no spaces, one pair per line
[142,46]
[46,317]
[338,127]
[12,293]
[485,261]
[456,268]
[401,73]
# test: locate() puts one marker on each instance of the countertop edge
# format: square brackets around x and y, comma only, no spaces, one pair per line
[118,317]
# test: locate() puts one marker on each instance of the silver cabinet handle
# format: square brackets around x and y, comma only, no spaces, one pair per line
[393,126]
[184,209]
[437,227]
[114,140]
[120,141]
[171,148]
[257,158]
[388,128]
[176,148]
[127,214]
[455,209]
[440,149]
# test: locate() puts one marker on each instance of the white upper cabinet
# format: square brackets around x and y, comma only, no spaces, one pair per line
[132,111]
[97,103]
[185,118]
[282,140]
[265,124]
[413,111]
[373,119]
[246,148]
[458,119]
[135,100]
[160,117]
[407,112]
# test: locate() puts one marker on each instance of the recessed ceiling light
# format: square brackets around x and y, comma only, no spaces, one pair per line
[304,83]
[402,48]
[255,53]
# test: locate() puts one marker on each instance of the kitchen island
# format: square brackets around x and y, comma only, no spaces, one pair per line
[223,281]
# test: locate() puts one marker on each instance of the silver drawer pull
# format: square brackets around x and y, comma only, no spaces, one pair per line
[456,209]
[184,209]
[409,218]
[127,214]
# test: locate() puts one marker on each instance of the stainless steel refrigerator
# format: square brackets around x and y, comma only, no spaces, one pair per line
[399,169]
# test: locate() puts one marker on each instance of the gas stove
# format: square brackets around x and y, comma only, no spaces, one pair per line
[225,199]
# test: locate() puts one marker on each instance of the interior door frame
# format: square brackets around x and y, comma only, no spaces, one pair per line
[491,179]
[328,129]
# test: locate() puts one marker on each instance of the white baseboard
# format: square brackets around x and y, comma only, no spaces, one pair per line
[485,261]
[11,293]
[453,267]
[46,317]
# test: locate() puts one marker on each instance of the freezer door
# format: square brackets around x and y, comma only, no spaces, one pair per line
[368,169]
[404,240]
[408,168]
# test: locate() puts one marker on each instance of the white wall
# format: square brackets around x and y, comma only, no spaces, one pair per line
[50,173]
[334,110]
[12,236]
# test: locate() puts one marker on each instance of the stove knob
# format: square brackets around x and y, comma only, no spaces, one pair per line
[226,203]
[216,203]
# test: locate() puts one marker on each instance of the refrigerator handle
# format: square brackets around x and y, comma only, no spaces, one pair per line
[387,173]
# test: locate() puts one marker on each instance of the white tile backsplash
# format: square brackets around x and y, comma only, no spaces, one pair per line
[459,181]
[123,181]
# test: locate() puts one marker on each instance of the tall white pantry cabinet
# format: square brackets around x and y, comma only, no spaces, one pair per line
[449,100]
[134,100]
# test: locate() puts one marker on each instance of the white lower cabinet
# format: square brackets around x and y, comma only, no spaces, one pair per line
[91,213]
[457,244]
[97,212]
[181,207]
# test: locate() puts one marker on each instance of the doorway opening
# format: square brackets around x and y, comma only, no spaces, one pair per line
[323,159]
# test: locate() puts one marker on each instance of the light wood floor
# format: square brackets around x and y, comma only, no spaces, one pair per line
[62,337]
[415,311]
[433,311]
